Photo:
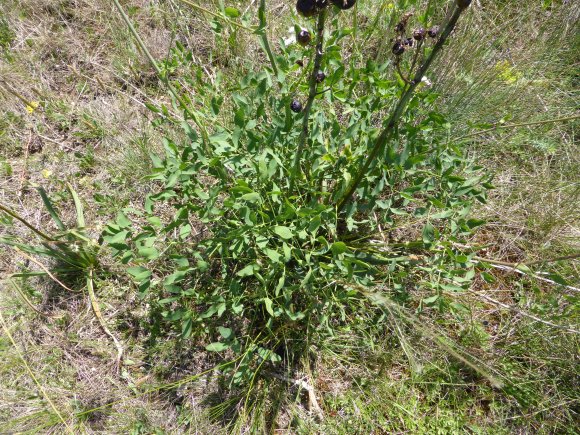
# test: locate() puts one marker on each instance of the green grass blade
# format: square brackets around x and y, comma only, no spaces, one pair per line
[50,208]
[78,207]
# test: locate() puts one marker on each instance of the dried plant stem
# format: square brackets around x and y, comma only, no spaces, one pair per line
[523,124]
[99,316]
[303,138]
[399,110]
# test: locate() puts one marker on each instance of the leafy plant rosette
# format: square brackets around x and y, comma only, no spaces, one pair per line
[275,227]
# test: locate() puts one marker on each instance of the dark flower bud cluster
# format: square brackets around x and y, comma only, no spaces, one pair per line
[309,8]
[404,42]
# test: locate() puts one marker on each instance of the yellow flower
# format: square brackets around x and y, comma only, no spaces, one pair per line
[32,106]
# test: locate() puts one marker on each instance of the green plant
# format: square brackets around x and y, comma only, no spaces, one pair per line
[73,253]
[292,205]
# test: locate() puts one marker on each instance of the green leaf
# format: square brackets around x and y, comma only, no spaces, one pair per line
[225,332]
[232,12]
[252,197]
[248,270]
[473,223]
[50,208]
[339,248]
[78,207]
[284,232]
[117,238]
[186,328]
[122,220]
[268,304]
[428,233]
[275,256]
[139,273]
[148,253]
[216,347]
[431,300]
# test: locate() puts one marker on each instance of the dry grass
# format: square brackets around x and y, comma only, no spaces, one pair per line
[77,59]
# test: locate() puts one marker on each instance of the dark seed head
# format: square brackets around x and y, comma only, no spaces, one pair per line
[485,323]
[400,27]
[398,48]
[320,76]
[306,8]
[300,62]
[463,3]
[296,106]
[321,4]
[419,34]
[433,31]
[343,4]
[409,42]
[304,37]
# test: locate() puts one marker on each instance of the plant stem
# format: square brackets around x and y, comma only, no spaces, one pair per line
[8,88]
[399,110]
[524,124]
[15,215]
[216,15]
[162,76]
[311,96]
[264,36]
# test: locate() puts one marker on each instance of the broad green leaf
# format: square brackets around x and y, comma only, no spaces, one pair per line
[268,304]
[339,248]
[252,197]
[148,253]
[225,332]
[273,255]
[284,232]
[232,12]
[428,233]
[216,347]
[248,270]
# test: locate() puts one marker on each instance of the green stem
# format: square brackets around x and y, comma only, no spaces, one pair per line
[311,96]
[264,36]
[162,76]
[15,215]
[399,110]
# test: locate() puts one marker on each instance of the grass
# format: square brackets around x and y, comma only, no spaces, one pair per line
[79,61]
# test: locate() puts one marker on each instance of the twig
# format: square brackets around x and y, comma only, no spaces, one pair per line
[28,301]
